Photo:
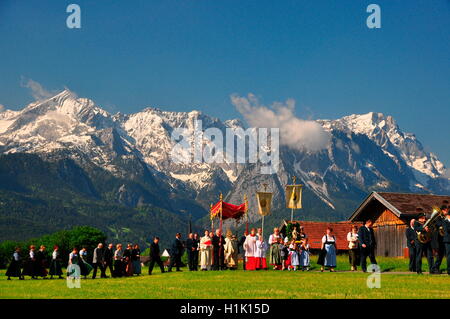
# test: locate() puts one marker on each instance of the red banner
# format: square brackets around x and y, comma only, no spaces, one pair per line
[228,210]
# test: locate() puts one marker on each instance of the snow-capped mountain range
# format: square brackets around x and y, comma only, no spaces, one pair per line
[367,152]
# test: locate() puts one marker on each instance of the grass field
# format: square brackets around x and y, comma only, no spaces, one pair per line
[240,284]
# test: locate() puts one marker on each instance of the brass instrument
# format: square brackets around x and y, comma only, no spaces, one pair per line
[425,236]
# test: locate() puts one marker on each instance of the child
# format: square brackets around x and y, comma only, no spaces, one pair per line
[304,255]
[295,257]
[261,250]
[284,253]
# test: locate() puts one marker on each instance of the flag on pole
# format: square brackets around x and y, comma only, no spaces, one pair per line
[264,202]
[294,196]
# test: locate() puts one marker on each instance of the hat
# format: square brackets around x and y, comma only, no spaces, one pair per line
[420,212]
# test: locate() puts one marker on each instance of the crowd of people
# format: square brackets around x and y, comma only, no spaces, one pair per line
[216,252]
[438,246]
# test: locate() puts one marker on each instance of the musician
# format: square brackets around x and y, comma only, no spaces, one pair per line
[446,238]
[437,242]
[423,247]
[411,238]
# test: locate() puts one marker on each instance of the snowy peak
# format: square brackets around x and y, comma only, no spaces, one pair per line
[399,146]
[368,124]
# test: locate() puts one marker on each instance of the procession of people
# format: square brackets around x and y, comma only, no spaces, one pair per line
[215,252]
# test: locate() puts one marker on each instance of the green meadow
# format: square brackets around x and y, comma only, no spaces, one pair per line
[395,283]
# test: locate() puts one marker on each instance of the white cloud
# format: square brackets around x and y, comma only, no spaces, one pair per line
[36,89]
[2,108]
[295,132]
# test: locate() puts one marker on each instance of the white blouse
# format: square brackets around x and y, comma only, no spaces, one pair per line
[330,239]
[352,240]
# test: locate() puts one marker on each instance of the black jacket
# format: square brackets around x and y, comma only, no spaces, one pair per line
[109,255]
[216,240]
[367,237]
[154,251]
[177,248]
[241,243]
[135,254]
[410,236]
[446,226]
[192,243]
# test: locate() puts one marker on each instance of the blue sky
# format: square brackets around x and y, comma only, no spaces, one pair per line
[192,54]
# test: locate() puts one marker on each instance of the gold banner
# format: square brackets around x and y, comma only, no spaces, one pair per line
[294,196]
[264,203]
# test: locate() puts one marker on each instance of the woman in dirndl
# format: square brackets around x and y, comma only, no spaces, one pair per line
[136,259]
[274,252]
[14,268]
[329,250]
[55,264]
[85,267]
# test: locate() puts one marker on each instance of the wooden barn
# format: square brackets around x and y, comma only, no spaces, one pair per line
[391,213]
[316,230]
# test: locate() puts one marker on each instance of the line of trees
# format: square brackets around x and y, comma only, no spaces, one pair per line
[66,240]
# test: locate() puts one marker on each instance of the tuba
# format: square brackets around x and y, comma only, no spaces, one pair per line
[425,236]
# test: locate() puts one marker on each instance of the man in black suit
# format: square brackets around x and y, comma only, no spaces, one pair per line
[446,239]
[411,238]
[218,242]
[109,256]
[191,248]
[423,247]
[155,256]
[98,261]
[368,244]
[176,251]
[437,243]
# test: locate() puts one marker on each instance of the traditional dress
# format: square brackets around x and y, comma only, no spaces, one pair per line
[274,253]
[250,252]
[231,252]
[330,248]
[284,253]
[29,268]
[295,257]
[55,264]
[118,264]
[304,257]
[41,264]
[14,268]
[128,263]
[261,251]
[74,259]
[136,260]
[85,267]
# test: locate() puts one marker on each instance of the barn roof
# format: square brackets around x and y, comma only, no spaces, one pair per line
[316,230]
[403,205]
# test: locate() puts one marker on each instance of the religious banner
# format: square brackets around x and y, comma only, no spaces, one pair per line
[226,210]
[264,203]
[294,196]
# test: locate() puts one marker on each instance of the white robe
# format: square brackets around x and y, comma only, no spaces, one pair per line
[250,246]
[261,248]
[205,252]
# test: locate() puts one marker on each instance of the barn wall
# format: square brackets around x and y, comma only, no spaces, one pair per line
[390,235]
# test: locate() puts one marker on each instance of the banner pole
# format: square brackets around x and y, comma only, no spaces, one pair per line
[262,227]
